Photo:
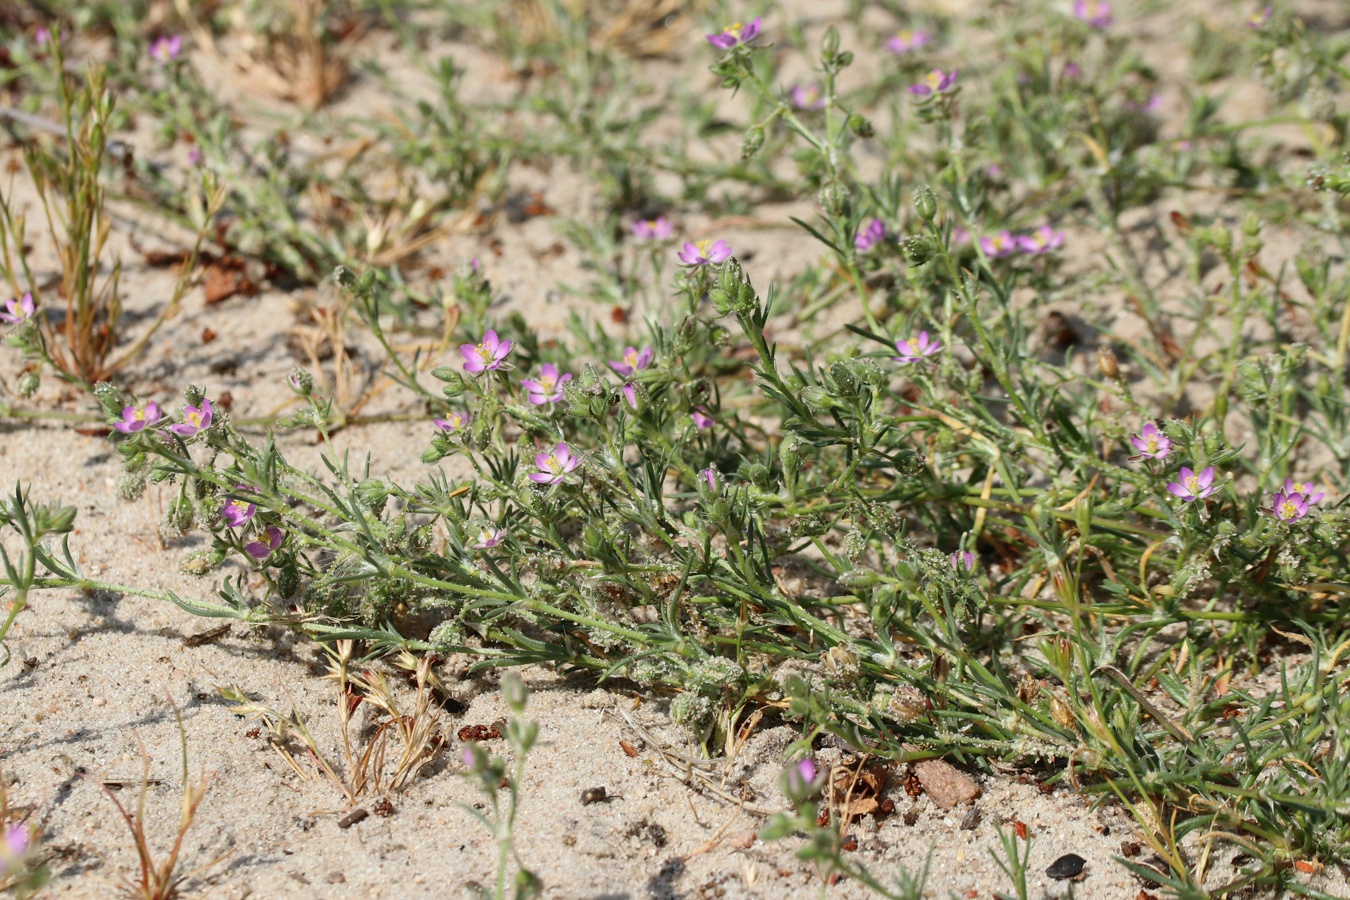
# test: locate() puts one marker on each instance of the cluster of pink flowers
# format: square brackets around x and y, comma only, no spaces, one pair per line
[138,418]
[1293,502]
[1005,243]
[238,512]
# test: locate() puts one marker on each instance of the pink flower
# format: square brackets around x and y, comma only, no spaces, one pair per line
[1259,20]
[1072,71]
[1190,486]
[166,48]
[907,41]
[136,419]
[548,389]
[1289,507]
[999,245]
[1151,443]
[1094,13]
[17,309]
[963,559]
[42,36]
[935,82]
[632,362]
[630,394]
[267,542]
[657,229]
[808,96]
[195,157]
[194,420]
[734,34]
[553,467]
[487,355]
[238,512]
[16,844]
[916,349]
[869,237]
[702,419]
[959,235]
[1042,240]
[1306,488]
[452,422]
[704,253]
[709,478]
[487,538]
[799,780]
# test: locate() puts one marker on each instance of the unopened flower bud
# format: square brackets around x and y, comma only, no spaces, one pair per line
[799,779]
[110,399]
[835,198]
[829,42]
[925,204]
[1107,363]
[817,399]
[733,291]
[28,384]
[514,692]
[301,381]
[918,249]
[754,139]
[859,578]
[860,126]
[789,453]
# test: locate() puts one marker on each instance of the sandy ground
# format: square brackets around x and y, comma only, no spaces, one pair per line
[93,678]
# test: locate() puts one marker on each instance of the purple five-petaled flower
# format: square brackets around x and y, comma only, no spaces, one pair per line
[1259,20]
[1306,488]
[1094,13]
[935,82]
[916,348]
[1042,240]
[452,422]
[1289,506]
[702,419]
[548,387]
[489,538]
[267,542]
[869,237]
[633,361]
[657,229]
[1151,443]
[138,418]
[962,559]
[487,355]
[195,419]
[704,253]
[997,246]
[734,34]
[166,48]
[808,96]
[1190,486]
[554,466]
[908,41]
[17,309]
[237,512]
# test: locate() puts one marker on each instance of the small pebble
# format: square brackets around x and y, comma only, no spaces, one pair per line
[99,701]
[1070,865]
[592,795]
[352,818]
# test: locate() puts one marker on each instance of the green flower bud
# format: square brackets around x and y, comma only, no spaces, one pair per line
[733,291]
[373,493]
[193,394]
[28,384]
[859,578]
[844,60]
[835,198]
[131,486]
[754,139]
[925,204]
[110,399]
[514,692]
[301,381]
[789,453]
[918,249]
[829,42]
[288,579]
[344,277]
[817,399]
[860,126]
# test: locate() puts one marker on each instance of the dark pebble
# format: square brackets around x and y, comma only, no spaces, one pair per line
[1070,865]
[352,818]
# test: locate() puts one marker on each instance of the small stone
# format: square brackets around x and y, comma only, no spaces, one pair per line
[970,819]
[742,840]
[99,701]
[1070,865]
[335,878]
[945,784]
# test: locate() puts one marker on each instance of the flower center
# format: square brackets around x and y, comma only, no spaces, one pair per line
[703,247]
[1193,484]
[1302,487]
[913,345]
[734,29]
[905,36]
[138,415]
[1152,444]
[631,359]
[193,417]
[553,465]
[934,78]
[485,536]
[546,382]
[484,354]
